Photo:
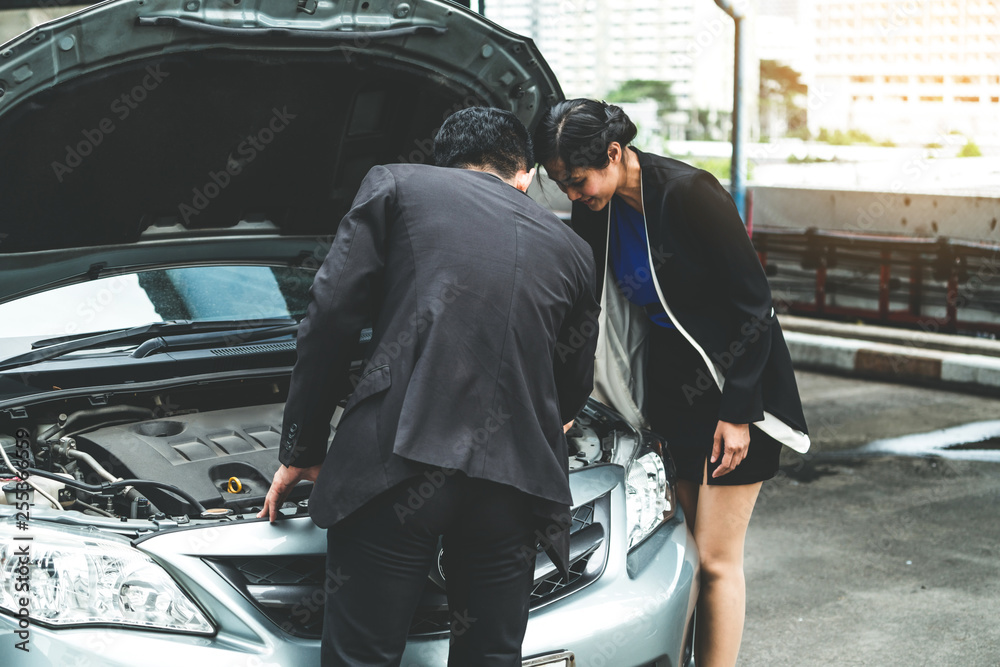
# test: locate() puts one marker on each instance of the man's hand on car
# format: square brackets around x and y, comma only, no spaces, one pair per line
[284,481]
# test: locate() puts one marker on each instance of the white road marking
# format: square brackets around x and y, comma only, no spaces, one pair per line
[938,442]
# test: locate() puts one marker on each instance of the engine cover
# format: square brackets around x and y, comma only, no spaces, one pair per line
[197,452]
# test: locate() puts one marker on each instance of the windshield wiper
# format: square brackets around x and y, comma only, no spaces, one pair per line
[197,340]
[60,346]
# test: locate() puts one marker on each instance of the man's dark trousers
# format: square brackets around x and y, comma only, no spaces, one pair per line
[379,559]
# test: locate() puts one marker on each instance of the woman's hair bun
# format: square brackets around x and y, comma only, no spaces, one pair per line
[620,126]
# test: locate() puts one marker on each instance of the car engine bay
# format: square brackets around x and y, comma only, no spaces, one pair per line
[153,455]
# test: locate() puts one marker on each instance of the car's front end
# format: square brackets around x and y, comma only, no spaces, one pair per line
[172,176]
[103,580]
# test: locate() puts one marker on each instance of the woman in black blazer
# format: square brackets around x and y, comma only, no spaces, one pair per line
[689,344]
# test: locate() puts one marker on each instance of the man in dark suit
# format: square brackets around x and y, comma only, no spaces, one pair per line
[484,328]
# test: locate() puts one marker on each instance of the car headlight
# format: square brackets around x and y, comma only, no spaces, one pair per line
[74,577]
[649,497]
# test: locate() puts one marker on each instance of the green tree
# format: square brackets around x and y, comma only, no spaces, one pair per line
[720,167]
[780,88]
[970,149]
[849,138]
[776,78]
[635,90]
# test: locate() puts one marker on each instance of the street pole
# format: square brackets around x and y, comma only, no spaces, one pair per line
[737,170]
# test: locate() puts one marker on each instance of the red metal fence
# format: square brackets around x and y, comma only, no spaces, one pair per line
[936,284]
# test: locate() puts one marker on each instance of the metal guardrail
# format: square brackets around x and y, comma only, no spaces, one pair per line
[935,284]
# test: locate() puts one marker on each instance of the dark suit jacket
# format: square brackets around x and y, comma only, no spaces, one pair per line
[484,328]
[713,283]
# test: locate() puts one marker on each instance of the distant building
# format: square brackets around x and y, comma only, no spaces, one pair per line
[784,33]
[595,45]
[907,70]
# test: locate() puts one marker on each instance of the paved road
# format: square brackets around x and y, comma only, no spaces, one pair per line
[881,561]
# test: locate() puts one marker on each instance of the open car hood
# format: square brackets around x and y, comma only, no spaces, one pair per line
[133,121]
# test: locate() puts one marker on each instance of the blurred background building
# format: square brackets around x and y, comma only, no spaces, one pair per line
[883,71]
[840,93]
[908,70]
[604,48]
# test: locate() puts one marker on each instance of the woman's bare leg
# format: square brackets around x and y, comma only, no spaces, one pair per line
[687,498]
[718,518]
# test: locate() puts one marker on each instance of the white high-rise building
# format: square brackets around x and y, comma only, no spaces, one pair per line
[595,45]
[907,70]
[784,33]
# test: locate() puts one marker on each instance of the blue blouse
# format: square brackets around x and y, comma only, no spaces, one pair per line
[629,256]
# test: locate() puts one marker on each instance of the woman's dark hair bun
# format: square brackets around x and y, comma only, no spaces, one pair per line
[579,131]
[620,126]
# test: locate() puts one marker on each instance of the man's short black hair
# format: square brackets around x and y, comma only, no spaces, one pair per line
[484,137]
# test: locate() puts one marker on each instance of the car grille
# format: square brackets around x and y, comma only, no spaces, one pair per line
[300,570]
[289,589]
[583,517]
[556,582]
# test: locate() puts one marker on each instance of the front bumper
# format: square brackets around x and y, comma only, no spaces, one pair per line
[635,613]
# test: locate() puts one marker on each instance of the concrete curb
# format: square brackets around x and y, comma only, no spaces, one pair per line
[894,363]
[911,338]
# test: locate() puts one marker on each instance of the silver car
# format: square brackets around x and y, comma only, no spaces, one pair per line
[171,176]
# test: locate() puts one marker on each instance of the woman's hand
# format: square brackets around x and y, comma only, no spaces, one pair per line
[733,440]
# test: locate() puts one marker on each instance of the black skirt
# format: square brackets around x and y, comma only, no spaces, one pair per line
[682,405]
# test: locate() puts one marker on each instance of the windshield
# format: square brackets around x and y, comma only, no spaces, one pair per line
[244,294]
